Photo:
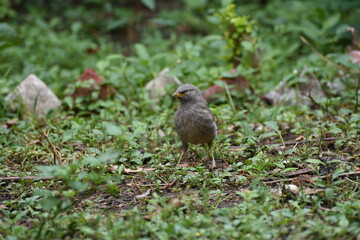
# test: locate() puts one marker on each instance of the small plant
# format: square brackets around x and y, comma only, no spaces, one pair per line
[239,34]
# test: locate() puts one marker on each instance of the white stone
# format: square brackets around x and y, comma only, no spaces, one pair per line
[157,86]
[34,95]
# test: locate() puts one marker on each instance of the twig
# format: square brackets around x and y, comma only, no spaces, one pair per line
[57,155]
[314,140]
[170,184]
[16,179]
[314,178]
[229,97]
[128,170]
[147,193]
[304,40]
[145,185]
[340,175]
[298,172]
[278,181]
[161,178]
[136,185]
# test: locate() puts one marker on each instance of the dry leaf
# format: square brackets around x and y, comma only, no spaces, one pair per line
[237,82]
[311,191]
[147,193]
[176,202]
[105,89]
[302,180]
[300,138]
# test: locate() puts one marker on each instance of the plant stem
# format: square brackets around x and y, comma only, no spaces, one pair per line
[231,102]
[357,95]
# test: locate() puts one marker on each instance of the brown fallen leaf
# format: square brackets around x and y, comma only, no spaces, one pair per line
[176,202]
[10,123]
[300,138]
[105,89]
[238,82]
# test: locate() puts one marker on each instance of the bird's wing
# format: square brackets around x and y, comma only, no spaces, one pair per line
[203,118]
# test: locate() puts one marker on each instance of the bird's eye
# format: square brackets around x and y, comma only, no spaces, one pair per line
[185,91]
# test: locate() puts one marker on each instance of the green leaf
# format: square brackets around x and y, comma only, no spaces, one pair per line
[60,171]
[141,51]
[49,203]
[247,45]
[114,56]
[331,21]
[8,36]
[149,4]
[344,222]
[272,124]
[69,193]
[93,161]
[315,161]
[247,129]
[268,134]
[337,172]
[101,65]
[113,130]
[341,119]
[67,135]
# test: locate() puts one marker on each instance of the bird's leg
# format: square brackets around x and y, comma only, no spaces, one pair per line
[183,151]
[213,164]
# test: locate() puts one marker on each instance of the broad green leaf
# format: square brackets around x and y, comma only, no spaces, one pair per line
[272,124]
[113,130]
[149,4]
[93,161]
[247,129]
[315,161]
[50,203]
[141,51]
[102,65]
[247,45]
[337,172]
[331,21]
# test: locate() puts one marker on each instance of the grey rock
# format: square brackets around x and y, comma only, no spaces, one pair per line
[157,86]
[291,95]
[34,95]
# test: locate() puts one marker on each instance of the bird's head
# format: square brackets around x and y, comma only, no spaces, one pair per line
[187,93]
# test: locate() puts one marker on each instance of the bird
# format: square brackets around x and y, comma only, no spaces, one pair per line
[194,121]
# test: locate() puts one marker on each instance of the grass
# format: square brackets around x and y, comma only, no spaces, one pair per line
[106,169]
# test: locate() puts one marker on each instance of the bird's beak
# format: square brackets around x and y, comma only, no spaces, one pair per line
[177,95]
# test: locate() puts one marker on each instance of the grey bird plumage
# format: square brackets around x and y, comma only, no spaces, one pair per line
[194,122]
